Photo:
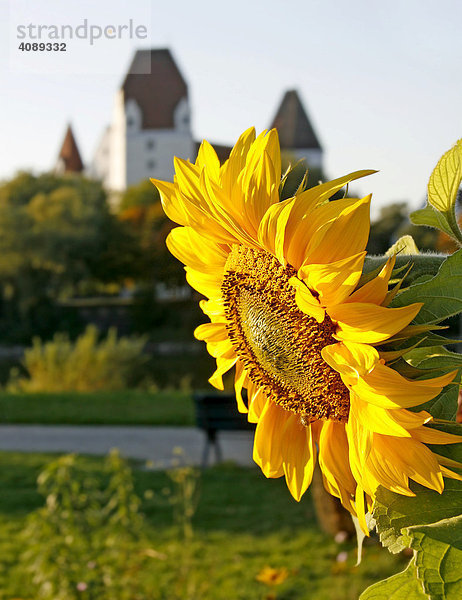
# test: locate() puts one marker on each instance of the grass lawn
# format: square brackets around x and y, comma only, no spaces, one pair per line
[131,407]
[243,523]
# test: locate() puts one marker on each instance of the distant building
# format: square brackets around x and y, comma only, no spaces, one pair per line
[296,134]
[69,160]
[151,124]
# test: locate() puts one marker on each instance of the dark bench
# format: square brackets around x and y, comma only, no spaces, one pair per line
[214,413]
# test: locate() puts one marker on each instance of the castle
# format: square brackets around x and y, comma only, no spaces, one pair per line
[151,123]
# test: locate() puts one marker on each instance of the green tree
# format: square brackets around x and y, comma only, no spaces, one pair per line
[393,222]
[58,238]
[141,209]
[392,218]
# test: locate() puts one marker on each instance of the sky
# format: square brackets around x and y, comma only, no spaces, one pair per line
[381,81]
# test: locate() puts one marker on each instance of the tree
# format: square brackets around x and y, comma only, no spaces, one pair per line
[57,238]
[141,209]
[384,229]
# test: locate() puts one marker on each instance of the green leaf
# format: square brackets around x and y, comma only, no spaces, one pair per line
[423,278]
[431,218]
[444,406]
[445,179]
[406,370]
[438,560]
[293,180]
[372,267]
[428,339]
[403,586]
[442,295]
[452,451]
[433,357]
[393,512]
[404,246]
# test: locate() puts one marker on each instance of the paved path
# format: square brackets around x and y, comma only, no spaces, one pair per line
[148,443]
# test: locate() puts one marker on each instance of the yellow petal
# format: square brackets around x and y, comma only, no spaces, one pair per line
[378,419]
[306,302]
[351,358]
[335,281]
[298,226]
[228,210]
[195,250]
[412,458]
[428,435]
[211,332]
[410,420]
[361,509]
[172,207]
[368,323]
[223,366]
[447,473]
[333,456]
[239,382]
[200,210]
[213,309]
[382,470]
[267,448]
[386,388]
[359,443]
[261,193]
[350,225]
[298,455]
[232,167]
[222,348]
[257,402]
[274,152]
[207,284]
[272,226]
[448,462]
[207,159]
[374,291]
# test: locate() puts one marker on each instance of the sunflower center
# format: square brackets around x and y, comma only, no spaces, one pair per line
[279,345]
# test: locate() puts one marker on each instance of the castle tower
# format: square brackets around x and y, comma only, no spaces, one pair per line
[150,124]
[296,134]
[69,160]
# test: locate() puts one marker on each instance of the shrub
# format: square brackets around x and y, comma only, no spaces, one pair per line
[89,542]
[84,365]
[86,542]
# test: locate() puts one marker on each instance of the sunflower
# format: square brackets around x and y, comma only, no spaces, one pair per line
[290,313]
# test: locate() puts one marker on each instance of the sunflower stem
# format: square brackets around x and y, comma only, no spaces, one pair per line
[451,218]
[422,264]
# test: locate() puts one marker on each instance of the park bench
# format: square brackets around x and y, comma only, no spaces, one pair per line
[214,413]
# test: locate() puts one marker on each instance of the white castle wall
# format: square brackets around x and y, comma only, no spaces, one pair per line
[128,154]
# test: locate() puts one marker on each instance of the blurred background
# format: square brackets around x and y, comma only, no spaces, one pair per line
[96,321]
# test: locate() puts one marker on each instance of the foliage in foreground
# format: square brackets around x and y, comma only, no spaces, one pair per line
[430,524]
[84,540]
[229,534]
[87,364]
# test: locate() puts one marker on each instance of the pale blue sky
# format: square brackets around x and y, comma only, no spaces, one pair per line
[381,80]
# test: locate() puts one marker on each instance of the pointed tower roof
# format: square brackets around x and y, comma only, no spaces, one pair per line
[156,84]
[294,127]
[69,160]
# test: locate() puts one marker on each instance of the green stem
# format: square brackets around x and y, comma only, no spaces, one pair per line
[452,221]
[422,264]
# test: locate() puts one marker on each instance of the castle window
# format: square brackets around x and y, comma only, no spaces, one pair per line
[150,144]
[130,122]
[151,164]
